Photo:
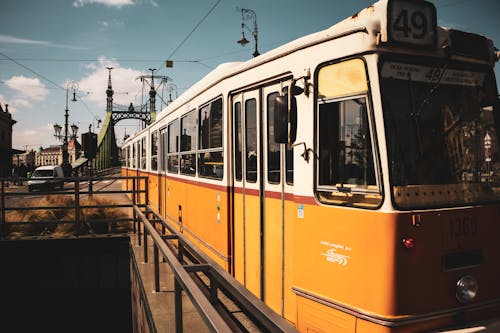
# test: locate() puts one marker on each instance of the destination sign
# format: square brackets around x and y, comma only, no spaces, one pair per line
[412,22]
[427,74]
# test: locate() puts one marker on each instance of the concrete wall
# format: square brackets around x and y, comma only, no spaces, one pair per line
[65,285]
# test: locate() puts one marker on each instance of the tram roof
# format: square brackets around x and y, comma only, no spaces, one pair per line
[371,20]
[366,19]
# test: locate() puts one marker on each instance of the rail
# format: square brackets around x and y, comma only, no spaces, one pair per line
[187,263]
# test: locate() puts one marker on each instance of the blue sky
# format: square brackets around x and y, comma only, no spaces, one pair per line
[51,42]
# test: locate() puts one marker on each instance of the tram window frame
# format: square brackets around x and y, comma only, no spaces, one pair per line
[341,92]
[187,156]
[238,142]
[143,151]
[289,163]
[251,158]
[273,148]
[351,182]
[211,139]
[134,154]
[173,147]
[127,157]
[154,150]
[163,148]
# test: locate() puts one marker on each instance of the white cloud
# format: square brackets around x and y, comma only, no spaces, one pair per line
[28,88]
[108,3]
[22,103]
[15,40]
[28,137]
[124,82]
[114,3]
[111,24]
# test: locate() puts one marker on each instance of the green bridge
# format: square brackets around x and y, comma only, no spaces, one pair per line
[108,155]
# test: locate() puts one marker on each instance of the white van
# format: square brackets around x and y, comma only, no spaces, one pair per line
[49,177]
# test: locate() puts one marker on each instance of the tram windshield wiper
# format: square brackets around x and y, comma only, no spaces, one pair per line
[440,73]
[344,189]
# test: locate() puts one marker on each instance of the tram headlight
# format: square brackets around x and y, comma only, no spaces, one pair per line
[467,288]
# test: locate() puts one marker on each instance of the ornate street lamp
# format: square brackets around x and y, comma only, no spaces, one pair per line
[248,14]
[171,88]
[74,131]
[66,166]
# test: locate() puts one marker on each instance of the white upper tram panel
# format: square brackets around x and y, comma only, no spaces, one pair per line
[405,26]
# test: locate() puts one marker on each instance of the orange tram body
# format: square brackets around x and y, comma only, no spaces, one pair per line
[350,178]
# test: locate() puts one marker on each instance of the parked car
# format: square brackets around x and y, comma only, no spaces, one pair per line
[46,177]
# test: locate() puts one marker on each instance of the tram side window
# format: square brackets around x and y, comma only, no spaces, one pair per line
[210,152]
[251,140]
[134,154]
[188,144]
[237,141]
[163,149]
[127,157]
[273,148]
[154,150]
[173,147]
[143,153]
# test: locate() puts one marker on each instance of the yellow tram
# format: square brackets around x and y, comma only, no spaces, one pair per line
[350,178]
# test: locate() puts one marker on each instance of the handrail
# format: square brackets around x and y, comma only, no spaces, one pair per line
[263,316]
[77,206]
[206,301]
[210,316]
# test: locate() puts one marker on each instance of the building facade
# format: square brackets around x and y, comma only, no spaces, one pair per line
[26,158]
[6,123]
[53,154]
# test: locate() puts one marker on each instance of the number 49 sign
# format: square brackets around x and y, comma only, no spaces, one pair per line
[412,22]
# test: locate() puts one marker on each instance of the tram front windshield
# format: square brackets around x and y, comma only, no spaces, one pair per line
[441,136]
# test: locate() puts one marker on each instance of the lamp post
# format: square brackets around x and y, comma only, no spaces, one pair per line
[249,14]
[66,166]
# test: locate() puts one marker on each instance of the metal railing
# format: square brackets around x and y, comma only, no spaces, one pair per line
[186,262]
[82,187]
[208,286]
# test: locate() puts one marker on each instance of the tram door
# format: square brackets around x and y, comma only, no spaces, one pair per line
[247,191]
[258,196]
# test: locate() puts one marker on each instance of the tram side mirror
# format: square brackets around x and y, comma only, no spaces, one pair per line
[285,120]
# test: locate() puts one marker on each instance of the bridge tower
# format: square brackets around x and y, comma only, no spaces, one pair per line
[107,150]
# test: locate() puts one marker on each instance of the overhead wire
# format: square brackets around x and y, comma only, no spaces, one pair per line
[192,31]
[32,71]
[58,86]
